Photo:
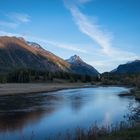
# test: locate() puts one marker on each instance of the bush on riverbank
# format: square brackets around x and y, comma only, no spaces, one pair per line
[123,131]
[121,79]
[104,134]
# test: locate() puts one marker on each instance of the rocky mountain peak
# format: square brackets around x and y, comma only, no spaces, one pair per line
[75,58]
[33,44]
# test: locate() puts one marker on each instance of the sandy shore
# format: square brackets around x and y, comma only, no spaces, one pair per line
[12,89]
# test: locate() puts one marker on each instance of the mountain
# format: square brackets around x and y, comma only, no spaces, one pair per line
[16,53]
[35,45]
[131,67]
[80,67]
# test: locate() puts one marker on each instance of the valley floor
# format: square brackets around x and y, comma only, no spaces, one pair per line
[24,88]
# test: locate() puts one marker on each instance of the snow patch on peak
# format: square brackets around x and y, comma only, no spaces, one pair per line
[74,59]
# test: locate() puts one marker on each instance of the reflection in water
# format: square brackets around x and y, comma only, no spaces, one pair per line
[14,121]
[55,112]
[76,105]
[25,102]
[17,111]
[76,102]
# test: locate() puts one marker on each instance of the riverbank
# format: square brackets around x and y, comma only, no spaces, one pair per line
[27,88]
[133,92]
[136,93]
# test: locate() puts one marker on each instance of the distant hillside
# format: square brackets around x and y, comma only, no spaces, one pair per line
[16,53]
[131,67]
[79,66]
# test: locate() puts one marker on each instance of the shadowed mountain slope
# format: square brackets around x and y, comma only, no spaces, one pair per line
[79,66]
[131,67]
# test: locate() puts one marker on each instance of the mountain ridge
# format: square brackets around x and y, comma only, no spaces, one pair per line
[16,53]
[20,55]
[128,68]
[79,66]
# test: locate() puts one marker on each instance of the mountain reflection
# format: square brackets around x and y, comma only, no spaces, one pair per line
[16,121]
[18,111]
[78,100]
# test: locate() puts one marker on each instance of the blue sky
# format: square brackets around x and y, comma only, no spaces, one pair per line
[104,33]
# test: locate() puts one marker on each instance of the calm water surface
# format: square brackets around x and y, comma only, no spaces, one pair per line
[46,114]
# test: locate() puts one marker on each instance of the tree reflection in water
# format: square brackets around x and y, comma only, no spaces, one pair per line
[18,111]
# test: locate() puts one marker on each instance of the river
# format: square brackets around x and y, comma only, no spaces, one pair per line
[47,114]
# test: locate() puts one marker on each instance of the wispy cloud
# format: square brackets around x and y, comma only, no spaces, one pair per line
[14,20]
[19,17]
[91,29]
[107,64]
[67,46]
[4,33]
[8,24]
[101,36]
[56,44]
[76,2]
[62,45]
[84,1]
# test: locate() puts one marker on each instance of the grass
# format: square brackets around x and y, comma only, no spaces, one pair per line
[103,134]
[126,134]
[119,132]
[123,131]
